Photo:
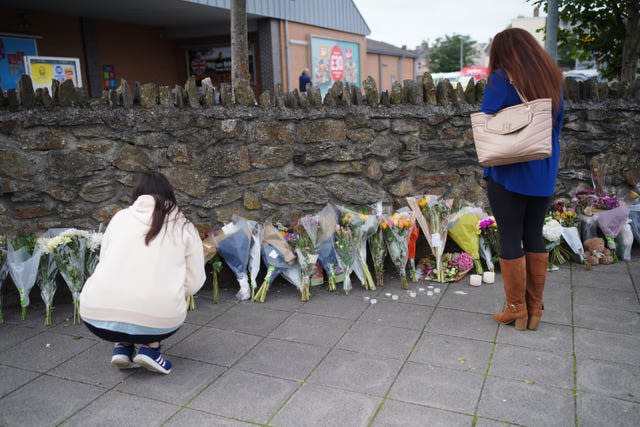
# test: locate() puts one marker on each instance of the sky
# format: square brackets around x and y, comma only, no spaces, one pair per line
[408,22]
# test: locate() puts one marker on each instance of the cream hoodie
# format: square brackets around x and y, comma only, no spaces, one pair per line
[139,284]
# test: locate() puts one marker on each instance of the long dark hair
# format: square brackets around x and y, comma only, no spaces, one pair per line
[530,67]
[155,184]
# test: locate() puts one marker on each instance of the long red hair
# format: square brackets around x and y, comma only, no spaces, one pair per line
[527,64]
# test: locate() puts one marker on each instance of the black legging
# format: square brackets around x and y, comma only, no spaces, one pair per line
[113,336]
[520,219]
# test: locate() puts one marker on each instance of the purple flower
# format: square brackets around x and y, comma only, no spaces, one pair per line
[463,261]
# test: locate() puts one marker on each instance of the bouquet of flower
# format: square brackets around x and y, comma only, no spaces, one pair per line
[23,264]
[304,247]
[378,247]
[413,240]
[69,253]
[327,221]
[463,230]
[454,266]
[489,241]
[94,240]
[362,226]
[396,229]
[255,228]
[47,273]
[276,255]
[566,215]
[634,215]
[346,244]
[611,222]
[233,244]
[624,241]
[211,257]
[432,213]
[552,233]
[4,269]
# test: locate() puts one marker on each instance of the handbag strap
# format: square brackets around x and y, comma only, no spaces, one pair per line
[522,98]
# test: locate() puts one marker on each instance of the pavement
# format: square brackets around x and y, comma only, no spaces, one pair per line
[339,360]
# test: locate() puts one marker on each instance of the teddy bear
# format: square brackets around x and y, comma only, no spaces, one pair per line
[595,251]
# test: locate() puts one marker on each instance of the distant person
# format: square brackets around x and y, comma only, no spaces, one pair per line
[519,194]
[151,258]
[304,79]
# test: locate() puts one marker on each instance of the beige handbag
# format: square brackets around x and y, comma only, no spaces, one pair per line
[514,134]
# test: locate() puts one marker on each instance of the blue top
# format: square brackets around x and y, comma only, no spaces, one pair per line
[534,178]
[302,81]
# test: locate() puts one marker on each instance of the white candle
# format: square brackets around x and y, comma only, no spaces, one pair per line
[436,290]
[373,301]
[430,293]
[489,277]
[394,297]
[475,280]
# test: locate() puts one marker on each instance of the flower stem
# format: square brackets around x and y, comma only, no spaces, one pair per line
[368,282]
[216,297]
[305,293]
[76,310]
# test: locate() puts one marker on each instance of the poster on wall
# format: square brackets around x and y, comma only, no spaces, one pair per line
[214,62]
[334,60]
[43,69]
[12,54]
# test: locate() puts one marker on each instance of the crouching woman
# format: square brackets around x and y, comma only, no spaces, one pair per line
[151,258]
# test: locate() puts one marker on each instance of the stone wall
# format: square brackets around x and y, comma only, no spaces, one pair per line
[73,165]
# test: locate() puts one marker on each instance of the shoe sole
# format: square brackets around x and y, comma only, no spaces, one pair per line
[121,361]
[149,364]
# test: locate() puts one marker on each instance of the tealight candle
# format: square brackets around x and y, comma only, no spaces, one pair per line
[394,297]
[436,290]
[430,293]
[475,280]
[488,277]
[373,301]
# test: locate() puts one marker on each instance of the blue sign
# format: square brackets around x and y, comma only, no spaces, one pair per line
[12,53]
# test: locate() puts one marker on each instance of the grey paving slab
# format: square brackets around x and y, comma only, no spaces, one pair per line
[44,351]
[92,366]
[215,346]
[255,319]
[526,364]
[119,409]
[339,408]
[608,378]
[401,414]
[312,329]
[548,337]
[606,298]
[357,372]
[187,378]
[595,410]
[462,324]
[67,327]
[607,319]
[481,299]
[185,330]
[486,422]
[528,404]
[245,396]
[401,315]
[380,340]
[557,304]
[206,310]
[13,334]
[191,418]
[284,296]
[421,290]
[452,352]
[35,403]
[615,278]
[335,305]
[437,387]
[282,359]
[12,378]
[607,346]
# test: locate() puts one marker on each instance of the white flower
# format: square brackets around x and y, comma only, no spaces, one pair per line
[552,230]
[93,241]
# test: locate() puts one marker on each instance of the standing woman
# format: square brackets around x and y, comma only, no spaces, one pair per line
[519,194]
[151,258]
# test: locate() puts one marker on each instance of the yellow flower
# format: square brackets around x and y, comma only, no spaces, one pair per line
[364,217]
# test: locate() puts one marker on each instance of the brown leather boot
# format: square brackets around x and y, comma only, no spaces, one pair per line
[514,275]
[536,275]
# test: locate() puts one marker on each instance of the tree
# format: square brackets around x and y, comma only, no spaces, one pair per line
[445,54]
[607,31]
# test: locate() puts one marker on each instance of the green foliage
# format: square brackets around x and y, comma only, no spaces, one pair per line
[444,56]
[596,31]
[25,240]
